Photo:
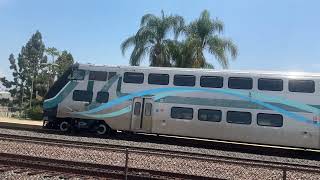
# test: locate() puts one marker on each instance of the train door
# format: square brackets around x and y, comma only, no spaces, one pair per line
[141,119]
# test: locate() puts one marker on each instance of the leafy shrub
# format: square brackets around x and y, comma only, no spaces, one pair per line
[35,113]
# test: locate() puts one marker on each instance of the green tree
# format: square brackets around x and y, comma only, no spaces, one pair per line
[27,72]
[53,52]
[16,86]
[34,56]
[153,38]
[64,61]
[51,68]
[203,35]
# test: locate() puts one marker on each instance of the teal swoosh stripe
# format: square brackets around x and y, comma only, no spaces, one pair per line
[90,85]
[315,106]
[286,101]
[105,88]
[110,82]
[247,96]
[220,103]
[53,102]
[112,114]
[118,92]
[162,92]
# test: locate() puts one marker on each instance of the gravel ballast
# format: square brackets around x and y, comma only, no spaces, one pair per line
[154,162]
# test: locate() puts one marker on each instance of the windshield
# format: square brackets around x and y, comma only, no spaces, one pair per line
[59,84]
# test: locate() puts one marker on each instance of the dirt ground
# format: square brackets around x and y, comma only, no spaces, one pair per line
[20,121]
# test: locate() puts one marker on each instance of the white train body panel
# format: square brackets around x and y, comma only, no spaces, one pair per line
[299,110]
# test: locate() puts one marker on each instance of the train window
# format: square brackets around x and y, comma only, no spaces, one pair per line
[159,79]
[211,81]
[98,75]
[181,113]
[209,115]
[240,83]
[133,77]
[80,95]
[78,74]
[148,109]
[273,120]
[304,86]
[184,80]
[137,108]
[270,84]
[111,75]
[238,117]
[102,97]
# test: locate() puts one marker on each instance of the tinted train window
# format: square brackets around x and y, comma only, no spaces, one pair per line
[240,83]
[132,77]
[80,95]
[238,117]
[305,86]
[137,108]
[111,75]
[273,120]
[181,113]
[211,81]
[159,79]
[78,74]
[148,109]
[102,97]
[209,115]
[270,84]
[98,75]
[184,80]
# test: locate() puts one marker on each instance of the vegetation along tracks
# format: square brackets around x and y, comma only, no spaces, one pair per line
[282,166]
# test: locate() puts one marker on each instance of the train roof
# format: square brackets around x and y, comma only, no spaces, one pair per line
[199,71]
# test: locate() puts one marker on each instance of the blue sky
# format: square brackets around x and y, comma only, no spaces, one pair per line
[271,35]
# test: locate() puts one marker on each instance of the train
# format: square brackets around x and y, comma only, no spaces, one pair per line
[260,107]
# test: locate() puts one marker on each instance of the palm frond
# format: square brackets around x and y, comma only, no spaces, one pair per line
[231,47]
[208,65]
[217,25]
[178,25]
[137,55]
[144,35]
[126,44]
[217,47]
[146,18]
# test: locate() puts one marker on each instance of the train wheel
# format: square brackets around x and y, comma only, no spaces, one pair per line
[102,129]
[64,126]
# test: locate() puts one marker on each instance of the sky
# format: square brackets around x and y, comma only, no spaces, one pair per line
[270,34]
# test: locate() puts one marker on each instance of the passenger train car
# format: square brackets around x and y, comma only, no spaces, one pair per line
[275,108]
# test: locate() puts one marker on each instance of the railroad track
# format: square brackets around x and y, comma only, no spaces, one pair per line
[80,169]
[282,166]
[287,152]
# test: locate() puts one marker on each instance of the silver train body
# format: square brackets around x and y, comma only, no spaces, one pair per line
[273,108]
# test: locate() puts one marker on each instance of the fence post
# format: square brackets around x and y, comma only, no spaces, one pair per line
[126,165]
[284,174]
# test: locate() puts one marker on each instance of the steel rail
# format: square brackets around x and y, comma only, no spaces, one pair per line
[284,166]
[89,169]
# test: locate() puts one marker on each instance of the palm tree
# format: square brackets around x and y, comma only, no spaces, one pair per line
[203,35]
[153,38]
